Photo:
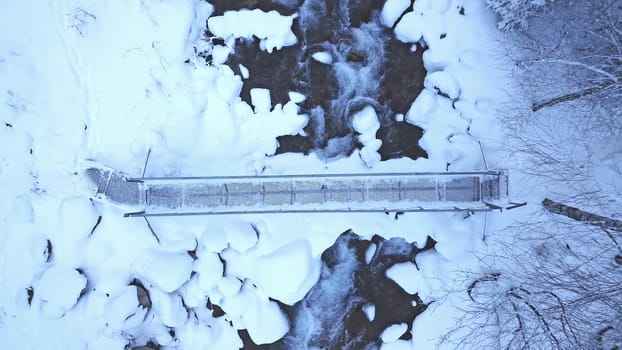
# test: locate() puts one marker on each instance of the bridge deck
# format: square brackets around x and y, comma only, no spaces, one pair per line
[467,191]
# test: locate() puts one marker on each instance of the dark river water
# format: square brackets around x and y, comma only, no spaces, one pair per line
[369,68]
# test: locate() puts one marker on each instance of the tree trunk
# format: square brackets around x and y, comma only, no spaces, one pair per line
[583,216]
[571,96]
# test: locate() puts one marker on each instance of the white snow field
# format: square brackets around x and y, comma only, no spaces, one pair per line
[107,81]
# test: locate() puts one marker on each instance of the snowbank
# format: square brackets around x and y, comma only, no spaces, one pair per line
[393,332]
[272,28]
[167,271]
[267,270]
[366,124]
[393,10]
[110,81]
[59,289]
[404,274]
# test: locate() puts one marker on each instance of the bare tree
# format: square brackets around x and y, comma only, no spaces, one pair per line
[553,292]
[515,14]
[585,42]
[554,279]
[568,67]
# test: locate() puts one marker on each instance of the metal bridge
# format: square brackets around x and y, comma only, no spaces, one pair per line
[373,192]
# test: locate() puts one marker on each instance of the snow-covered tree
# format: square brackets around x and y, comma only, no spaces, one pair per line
[514,14]
[568,68]
[552,283]
[553,277]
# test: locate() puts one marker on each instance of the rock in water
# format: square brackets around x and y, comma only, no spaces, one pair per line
[332,315]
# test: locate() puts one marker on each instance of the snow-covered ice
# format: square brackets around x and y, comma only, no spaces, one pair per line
[404,274]
[444,82]
[167,271]
[393,332]
[323,57]
[272,28]
[369,253]
[245,72]
[121,310]
[265,321]
[366,124]
[296,97]
[370,311]
[168,307]
[267,270]
[58,289]
[209,269]
[393,10]
[260,98]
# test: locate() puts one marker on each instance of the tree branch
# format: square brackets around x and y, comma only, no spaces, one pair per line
[582,65]
[549,332]
[580,215]
[571,96]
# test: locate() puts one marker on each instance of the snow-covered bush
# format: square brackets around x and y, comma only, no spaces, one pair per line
[515,13]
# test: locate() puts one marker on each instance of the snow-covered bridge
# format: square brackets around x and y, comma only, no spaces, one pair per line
[402,192]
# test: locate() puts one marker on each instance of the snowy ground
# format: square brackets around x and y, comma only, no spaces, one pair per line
[107,81]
